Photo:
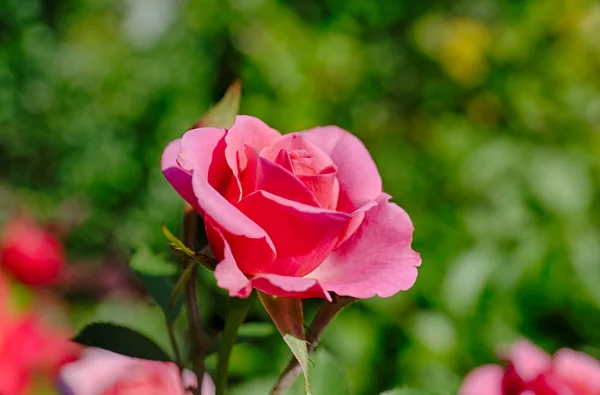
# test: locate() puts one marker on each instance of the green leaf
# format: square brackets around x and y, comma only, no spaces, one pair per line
[412,391]
[144,261]
[298,347]
[327,376]
[176,244]
[238,309]
[156,274]
[138,315]
[161,289]
[121,340]
[288,317]
[222,114]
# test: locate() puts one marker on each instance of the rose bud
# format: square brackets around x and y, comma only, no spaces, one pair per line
[32,255]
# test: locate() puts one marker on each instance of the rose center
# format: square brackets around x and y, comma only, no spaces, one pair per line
[302,163]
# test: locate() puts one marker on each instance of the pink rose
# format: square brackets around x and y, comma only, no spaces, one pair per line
[301,214]
[531,371]
[29,253]
[101,372]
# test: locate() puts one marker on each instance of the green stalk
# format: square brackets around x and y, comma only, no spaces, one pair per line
[195,325]
[238,309]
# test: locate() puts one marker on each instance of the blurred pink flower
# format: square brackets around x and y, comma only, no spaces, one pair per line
[28,347]
[101,372]
[531,371]
[29,253]
[3,298]
[299,215]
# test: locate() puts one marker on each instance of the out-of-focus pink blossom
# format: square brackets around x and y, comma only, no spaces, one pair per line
[3,298]
[531,371]
[29,347]
[31,254]
[101,372]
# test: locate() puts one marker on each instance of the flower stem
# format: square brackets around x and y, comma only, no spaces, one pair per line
[238,309]
[175,346]
[322,319]
[190,225]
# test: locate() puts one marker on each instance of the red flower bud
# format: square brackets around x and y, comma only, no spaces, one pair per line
[29,253]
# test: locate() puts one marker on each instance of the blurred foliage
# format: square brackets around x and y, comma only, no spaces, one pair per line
[483,117]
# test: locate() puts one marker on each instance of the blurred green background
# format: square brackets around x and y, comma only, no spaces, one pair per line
[483,117]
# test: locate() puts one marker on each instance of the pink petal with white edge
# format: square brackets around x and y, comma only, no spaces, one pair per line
[579,371]
[250,131]
[377,259]
[357,173]
[298,287]
[179,178]
[228,274]
[485,380]
[303,235]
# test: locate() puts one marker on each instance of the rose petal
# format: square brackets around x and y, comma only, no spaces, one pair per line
[297,142]
[283,159]
[358,217]
[527,361]
[248,253]
[377,259]
[148,378]
[303,235]
[104,372]
[578,370]
[324,186]
[298,287]
[180,179]
[548,384]
[485,380]
[357,173]
[95,371]
[230,277]
[202,152]
[250,131]
[262,174]
[214,205]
